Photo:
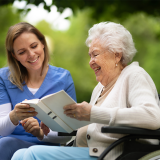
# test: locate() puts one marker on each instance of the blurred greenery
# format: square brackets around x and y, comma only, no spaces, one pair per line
[70,52]
[146,34]
[119,8]
[8,17]
[68,49]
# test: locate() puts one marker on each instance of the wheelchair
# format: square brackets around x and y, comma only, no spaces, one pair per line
[132,148]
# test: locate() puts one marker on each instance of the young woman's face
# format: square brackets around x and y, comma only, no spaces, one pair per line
[29,51]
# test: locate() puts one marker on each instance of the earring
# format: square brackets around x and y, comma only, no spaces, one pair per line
[116,64]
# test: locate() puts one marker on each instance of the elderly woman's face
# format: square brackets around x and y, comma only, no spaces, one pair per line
[102,62]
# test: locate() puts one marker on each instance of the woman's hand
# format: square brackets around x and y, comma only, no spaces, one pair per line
[20,112]
[45,129]
[79,111]
[31,125]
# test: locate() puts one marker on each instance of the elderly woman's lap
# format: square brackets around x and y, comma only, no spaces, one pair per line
[53,153]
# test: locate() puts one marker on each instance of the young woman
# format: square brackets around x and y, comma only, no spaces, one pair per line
[28,76]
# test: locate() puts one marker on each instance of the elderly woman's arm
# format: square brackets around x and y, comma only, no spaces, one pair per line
[142,105]
[139,107]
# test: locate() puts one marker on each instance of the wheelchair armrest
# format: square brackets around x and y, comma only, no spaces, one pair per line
[67,134]
[132,134]
[130,130]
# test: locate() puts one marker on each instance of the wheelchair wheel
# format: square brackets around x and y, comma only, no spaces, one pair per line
[152,156]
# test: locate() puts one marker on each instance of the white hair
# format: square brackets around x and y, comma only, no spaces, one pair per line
[115,38]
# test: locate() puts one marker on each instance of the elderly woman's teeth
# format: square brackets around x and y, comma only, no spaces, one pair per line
[98,68]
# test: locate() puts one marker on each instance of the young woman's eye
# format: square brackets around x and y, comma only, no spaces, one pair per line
[34,46]
[21,53]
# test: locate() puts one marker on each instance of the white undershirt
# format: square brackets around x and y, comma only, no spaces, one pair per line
[33,90]
[7,127]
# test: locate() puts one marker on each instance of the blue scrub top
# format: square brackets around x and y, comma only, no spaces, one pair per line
[56,79]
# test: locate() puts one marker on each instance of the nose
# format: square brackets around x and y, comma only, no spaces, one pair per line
[31,53]
[91,61]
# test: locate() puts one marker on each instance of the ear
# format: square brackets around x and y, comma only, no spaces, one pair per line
[13,55]
[118,57]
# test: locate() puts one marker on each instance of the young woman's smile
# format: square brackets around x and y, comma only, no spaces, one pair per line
[34,61]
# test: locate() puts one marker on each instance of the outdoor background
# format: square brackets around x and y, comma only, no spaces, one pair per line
[66,24]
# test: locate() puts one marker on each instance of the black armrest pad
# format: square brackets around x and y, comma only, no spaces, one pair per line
[67,134]
[129,130]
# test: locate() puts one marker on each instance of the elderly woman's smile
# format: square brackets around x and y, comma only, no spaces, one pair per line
[96,69]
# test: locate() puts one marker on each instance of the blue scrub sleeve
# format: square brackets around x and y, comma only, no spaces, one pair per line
[70,88]
[4,97]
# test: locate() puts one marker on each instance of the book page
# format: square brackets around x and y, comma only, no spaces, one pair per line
[31,101]
[56,102]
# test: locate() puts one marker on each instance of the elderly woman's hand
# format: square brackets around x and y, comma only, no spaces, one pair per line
[45,129]
[79,111]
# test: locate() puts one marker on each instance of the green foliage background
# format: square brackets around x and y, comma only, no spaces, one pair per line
[68,49]
[8,17]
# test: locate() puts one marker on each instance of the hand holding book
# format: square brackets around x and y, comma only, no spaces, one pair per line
[50,111]
[79,111]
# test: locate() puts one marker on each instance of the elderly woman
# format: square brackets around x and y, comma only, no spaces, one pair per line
[124,96]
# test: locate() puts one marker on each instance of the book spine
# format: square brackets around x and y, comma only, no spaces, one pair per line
[47,110]
[54,117]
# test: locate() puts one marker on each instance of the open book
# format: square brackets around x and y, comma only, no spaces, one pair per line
[50,112]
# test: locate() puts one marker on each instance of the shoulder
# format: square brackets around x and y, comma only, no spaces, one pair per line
[4,72]
[57,69]
[4,77]
[57,72]
[134,66]
[134,70]
[133,74]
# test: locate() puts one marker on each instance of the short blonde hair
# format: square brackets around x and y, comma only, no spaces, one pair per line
[115,38]
[17,72]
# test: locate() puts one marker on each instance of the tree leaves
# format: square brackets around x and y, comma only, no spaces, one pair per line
[119,7]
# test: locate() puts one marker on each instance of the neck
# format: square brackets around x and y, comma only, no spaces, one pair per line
[36,79]
[114,75]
